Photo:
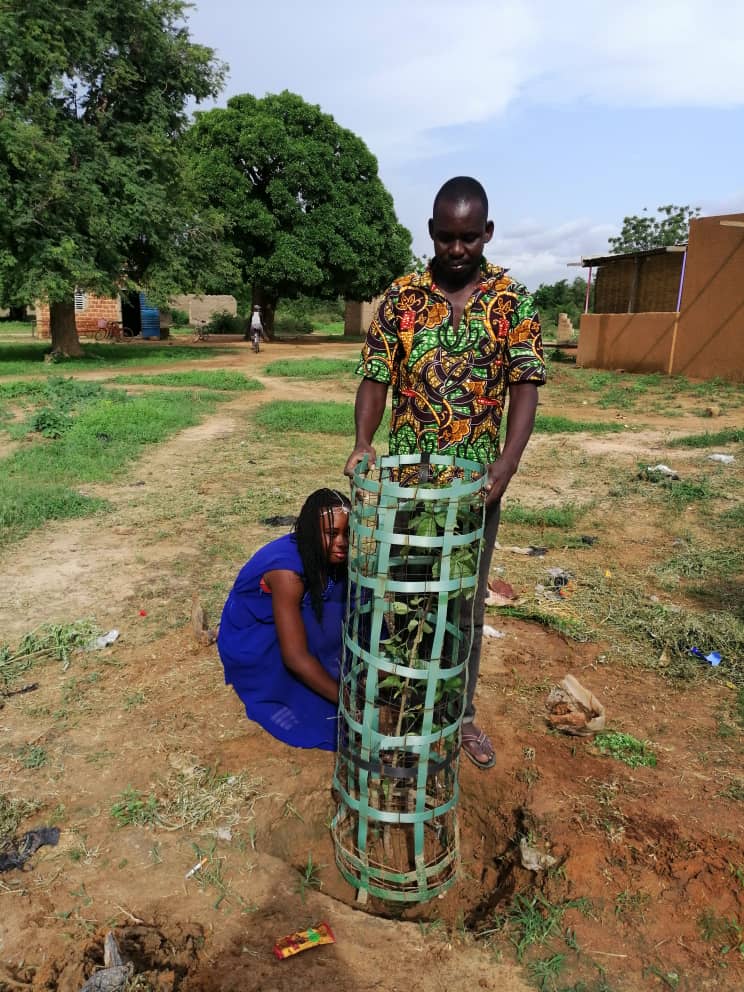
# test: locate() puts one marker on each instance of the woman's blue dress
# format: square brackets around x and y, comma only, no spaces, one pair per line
[249,649]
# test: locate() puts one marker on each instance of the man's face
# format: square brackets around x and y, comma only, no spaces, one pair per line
[459,231]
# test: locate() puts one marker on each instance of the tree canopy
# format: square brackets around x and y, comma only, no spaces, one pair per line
[671,227]
[307,210]
[93,99]
[559,297]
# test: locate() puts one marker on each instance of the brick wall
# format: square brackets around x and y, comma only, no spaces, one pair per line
[96,308]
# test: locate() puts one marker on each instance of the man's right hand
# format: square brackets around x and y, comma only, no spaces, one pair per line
[356,456]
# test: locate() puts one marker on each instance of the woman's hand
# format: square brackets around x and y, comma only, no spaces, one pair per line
[287,590]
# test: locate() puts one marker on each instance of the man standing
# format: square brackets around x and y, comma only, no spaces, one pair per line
[452,342]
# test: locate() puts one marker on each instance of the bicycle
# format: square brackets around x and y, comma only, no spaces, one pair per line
[256,339]
[200,331]
[112,330]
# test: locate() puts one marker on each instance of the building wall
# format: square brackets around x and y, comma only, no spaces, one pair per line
[706,339]
[86,320]
[203,308]
[635,342]
[710,336]
[358,316]
[656,291]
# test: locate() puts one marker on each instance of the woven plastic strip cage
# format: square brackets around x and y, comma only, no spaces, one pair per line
[415,538]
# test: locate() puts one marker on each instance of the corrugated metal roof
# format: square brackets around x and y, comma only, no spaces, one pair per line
[641,253]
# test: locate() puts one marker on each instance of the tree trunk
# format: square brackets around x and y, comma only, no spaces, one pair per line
[268,308]
[65,341]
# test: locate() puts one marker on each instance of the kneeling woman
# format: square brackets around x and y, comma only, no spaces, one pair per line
[281,629]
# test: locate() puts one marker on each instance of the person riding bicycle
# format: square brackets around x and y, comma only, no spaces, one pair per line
[256,328]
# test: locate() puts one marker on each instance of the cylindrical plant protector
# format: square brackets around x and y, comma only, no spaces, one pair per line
[415,538]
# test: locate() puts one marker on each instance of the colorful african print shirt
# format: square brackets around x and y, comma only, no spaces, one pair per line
[449,386]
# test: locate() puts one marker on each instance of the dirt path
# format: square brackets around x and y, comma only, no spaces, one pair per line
[108,570]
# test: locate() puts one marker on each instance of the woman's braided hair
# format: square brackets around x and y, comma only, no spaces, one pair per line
[309,536]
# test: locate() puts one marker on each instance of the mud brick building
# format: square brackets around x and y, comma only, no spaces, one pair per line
[678,309]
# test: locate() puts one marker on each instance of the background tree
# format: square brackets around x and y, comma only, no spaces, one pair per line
[307,210]
[671,227]
[92,193]
[561,297]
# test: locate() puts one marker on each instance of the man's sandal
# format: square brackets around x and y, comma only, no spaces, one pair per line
[475,743]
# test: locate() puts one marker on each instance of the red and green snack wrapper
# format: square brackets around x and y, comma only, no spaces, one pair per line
[303,940]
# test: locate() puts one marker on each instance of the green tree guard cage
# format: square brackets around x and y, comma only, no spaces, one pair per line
[415,539]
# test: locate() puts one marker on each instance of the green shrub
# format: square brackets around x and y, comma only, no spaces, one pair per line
[50,422]
[293,325]
[225,323]
[180,318]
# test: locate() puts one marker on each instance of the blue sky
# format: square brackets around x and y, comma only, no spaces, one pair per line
[572,115]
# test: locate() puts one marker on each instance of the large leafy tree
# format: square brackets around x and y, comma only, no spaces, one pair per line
[93,99]
[559,297]
[671,227]
[307,210]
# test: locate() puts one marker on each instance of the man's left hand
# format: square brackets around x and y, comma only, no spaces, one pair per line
[499,476]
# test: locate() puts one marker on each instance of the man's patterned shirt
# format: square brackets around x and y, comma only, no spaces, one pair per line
[449,386]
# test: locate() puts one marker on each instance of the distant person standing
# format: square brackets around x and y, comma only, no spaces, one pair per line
[453,342]
[256,328]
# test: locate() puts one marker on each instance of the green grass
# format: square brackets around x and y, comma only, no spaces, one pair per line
[545,971]
[309,878]
[28,358]
[734,791]
[680,493]
[625,748]
[708,439]
[107,434]
[12,813]
[598,381]
[284,416]
[544,516]
[576,629]
[673,631]
[733,517]
[726,932]
[39,482]
[33,756]
[26,505]
[619,398]
[204,379]
[533,919]
[14,327]
[131,808]
[338,418]
[333,327]
[312,368]
[700,563]
[546,424]
[54,402]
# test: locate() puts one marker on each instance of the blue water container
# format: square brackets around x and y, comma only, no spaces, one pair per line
[150,318]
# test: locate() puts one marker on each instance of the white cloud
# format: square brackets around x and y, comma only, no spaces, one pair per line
[394,71]
[542,254]
[408,76]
